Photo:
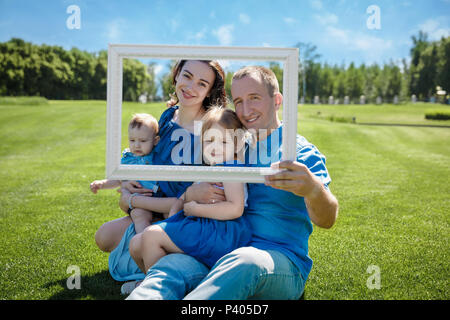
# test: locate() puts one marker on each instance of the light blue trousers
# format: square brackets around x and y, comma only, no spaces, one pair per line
[245,273]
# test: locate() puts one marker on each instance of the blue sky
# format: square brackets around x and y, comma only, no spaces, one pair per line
[338,28]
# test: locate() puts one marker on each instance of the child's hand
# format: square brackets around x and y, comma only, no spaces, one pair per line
[96,185]
[135,187]
[189,208]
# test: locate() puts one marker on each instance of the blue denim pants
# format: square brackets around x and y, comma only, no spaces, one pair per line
[245,273]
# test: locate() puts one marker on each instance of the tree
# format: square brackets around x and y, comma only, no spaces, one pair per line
[307,56]
[278,71]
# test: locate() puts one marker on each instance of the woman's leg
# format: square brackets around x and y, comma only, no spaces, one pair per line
[156,244]
[108,236]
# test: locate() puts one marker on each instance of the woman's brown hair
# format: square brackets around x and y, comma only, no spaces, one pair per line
[217,95]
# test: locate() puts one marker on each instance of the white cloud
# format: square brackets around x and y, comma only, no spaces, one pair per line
[173,23]
[224,34]
[113,30]
[326,18]
[289,20]
[434,29]
[158,69]
[316,4]
[371,47]
[197,36]
[266,45]
[245,19]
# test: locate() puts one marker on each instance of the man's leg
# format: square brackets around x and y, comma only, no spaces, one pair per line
[171,278]
[250,273]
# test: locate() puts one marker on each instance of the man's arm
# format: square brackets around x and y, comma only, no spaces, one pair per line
[297,178]
[204,192]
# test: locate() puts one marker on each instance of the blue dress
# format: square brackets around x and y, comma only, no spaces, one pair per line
[121,265]
[206,239]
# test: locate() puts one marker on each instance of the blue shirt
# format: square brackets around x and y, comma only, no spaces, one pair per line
[279,219]
[129,158]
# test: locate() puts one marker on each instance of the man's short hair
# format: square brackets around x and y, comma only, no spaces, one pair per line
[146,119]
[265,74]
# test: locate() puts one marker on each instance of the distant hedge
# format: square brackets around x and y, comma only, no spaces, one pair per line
[438,114]
[33,101]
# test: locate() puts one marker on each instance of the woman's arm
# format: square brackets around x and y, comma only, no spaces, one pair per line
[161,205]
[231,208]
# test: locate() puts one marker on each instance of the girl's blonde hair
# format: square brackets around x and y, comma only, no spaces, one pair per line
[223,116]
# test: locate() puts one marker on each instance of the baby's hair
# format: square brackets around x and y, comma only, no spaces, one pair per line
[217,94]
[146,119]
[265,74]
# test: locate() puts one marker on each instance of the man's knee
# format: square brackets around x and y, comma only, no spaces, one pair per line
[248,259]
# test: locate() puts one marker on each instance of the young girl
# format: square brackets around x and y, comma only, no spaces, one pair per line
[198,84]
[142,137]
[205,231]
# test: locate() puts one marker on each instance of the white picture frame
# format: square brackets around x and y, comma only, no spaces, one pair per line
[116,54]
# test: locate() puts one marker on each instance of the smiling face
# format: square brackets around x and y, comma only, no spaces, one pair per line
[141,140]
[218,145]
[254,106]
[193,83]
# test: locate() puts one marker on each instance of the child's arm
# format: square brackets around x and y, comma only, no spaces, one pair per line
[104,184]
[176,207]
[231,208]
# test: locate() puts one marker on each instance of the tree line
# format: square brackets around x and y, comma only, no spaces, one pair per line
[427,69]
[27,69]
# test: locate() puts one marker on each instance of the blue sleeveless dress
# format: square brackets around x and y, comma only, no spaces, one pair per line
[206,239]
[121,265]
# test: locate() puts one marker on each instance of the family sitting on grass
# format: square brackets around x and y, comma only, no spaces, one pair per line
[231,240]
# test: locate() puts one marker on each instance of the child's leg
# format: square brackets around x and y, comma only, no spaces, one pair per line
[141,219]
[155,244]
[135,250]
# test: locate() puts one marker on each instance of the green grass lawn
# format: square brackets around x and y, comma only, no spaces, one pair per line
[391,183]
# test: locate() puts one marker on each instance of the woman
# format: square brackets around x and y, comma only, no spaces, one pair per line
[198,84]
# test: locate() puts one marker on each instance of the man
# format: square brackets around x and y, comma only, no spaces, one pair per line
[276,264]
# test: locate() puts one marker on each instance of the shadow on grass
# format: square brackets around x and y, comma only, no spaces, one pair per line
[99,286]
